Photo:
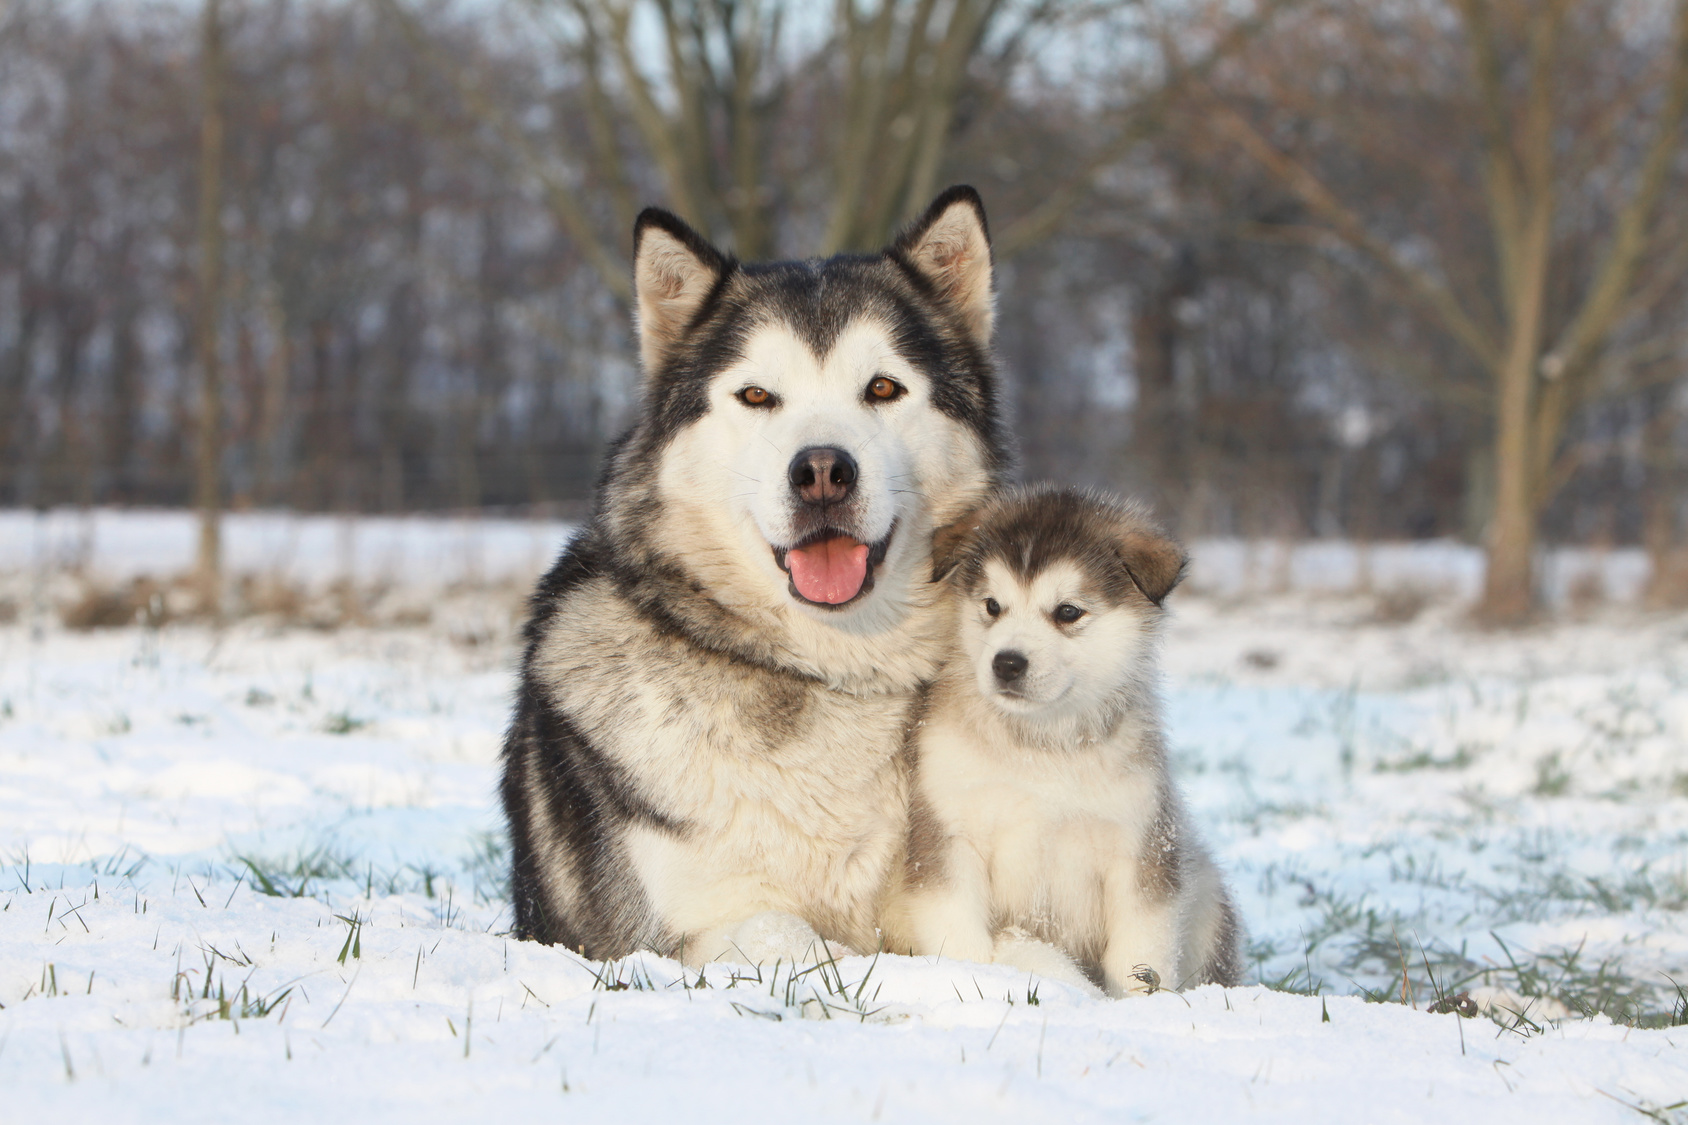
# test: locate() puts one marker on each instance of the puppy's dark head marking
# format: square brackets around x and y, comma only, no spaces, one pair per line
[1121,551]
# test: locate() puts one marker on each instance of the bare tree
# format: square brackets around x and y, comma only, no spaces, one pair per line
[1570,203]
[712,115]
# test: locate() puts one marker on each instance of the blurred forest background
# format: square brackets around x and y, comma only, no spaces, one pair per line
[1375,269]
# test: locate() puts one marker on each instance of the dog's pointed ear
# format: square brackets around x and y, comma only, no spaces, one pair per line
[950,247]
[950,543]
[1154,562]
[675,269]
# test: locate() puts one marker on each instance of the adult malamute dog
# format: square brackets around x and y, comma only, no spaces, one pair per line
[1042,802]
[706,757]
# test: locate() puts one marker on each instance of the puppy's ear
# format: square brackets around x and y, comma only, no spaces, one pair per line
[1154,562]
[950,248]
[950,543]
[675,269]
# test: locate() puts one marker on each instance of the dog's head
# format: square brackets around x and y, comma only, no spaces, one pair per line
[808,423]
[1060,596]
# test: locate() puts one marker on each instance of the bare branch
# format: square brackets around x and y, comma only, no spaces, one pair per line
[1138,122]
[745,204]
[648,117]
[866,49]
[968,20]
[600,124]
[893,152]
[1345,224]
[560,197]
[1500,170]
[1599,312]
[1556,473]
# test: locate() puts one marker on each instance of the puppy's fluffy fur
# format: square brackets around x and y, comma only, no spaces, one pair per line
[1043,807]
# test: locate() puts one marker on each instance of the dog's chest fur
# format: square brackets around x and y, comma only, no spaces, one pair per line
[781,792]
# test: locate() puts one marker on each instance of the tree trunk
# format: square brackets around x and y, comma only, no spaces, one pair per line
[1156,444]
[1159,436]
[1509,595]
[1667,470]
[1508,578]
[1520,186]
[269,462]
[123,415]
[208,490]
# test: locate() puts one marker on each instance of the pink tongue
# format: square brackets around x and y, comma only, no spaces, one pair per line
[831,571]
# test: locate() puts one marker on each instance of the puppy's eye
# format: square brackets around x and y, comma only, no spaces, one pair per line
[991,607]
[756,396]
[1066,613]
[885,389]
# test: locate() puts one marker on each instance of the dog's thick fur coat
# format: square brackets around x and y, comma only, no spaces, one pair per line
[707,751]
[1043,806]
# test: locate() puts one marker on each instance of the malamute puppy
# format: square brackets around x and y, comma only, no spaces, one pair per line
[1042,802]
[707,753]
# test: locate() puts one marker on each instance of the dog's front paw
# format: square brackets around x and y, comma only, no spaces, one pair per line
[775,935]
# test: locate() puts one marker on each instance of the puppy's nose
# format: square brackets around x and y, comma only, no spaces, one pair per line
[822,474]
[1009,666]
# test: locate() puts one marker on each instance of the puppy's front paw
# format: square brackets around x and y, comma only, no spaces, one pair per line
[1017,948]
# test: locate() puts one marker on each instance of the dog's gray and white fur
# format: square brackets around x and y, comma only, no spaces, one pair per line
[707,756]
[1043,808]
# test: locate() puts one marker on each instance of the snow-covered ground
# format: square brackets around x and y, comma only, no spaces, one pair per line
[255,874]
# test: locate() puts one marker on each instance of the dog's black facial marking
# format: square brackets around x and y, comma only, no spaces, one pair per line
[818,300]
[678,395]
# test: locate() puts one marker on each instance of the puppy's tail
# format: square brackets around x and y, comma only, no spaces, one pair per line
[1217,939]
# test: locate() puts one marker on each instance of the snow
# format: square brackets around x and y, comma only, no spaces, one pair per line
[119,544]
[1476,797]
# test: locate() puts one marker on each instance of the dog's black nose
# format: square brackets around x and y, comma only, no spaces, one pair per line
[822,474]
[1009,666]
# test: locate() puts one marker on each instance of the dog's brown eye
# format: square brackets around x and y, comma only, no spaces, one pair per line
[1066,613]
[991,607]
[884,389]
[756,396]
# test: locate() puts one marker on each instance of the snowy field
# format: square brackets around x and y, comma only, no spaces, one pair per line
[256,873]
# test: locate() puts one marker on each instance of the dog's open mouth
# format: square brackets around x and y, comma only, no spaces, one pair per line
[831,569]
